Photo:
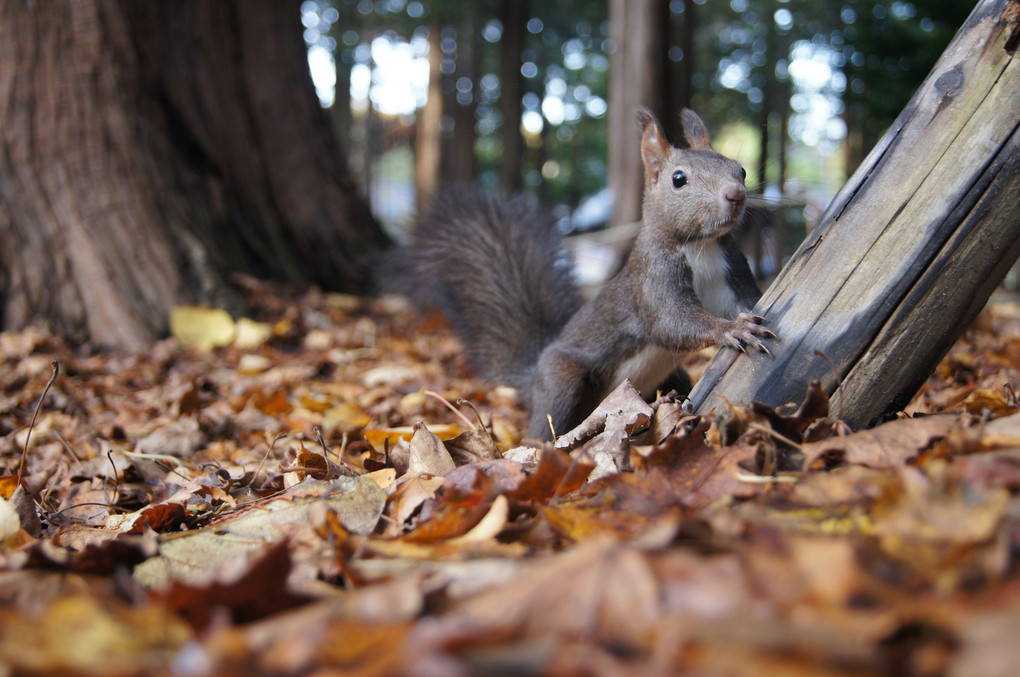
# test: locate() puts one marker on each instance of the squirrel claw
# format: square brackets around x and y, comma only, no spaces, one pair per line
[747,331]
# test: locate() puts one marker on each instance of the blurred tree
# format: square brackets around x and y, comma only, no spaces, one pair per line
[152,149]
[460,103]
[526,93]
[636,80]
[429,122]
[514,18]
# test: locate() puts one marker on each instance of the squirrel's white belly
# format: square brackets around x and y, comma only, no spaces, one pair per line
[647,368]
[708,264]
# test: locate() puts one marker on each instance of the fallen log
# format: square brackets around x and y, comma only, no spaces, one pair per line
[910,249]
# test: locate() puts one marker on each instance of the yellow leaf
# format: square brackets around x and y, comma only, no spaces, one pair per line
[202,327]
[10,523]
[345,417]
[378,436]
[252,334]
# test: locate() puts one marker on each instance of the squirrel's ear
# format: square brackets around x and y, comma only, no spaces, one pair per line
[695,131]
[654,146]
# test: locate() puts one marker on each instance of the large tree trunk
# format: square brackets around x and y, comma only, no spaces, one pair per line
[151,149]
[459,164]
[514,14]
[428,130]
[636,72]
[909,250]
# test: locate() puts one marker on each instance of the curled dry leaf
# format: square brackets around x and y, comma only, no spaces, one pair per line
[605,434]
[428,454]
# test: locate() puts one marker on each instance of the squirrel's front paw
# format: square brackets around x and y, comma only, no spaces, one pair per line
[747,330]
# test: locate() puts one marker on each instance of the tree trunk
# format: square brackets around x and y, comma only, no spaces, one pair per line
[635,81]
[460,161]
[680,74]
[909,250]
[428,132]
[514,14]
[151,149]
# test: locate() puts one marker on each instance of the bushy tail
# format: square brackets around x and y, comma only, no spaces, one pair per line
[498,270]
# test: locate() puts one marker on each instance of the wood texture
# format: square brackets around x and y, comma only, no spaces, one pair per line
[149,150]
[909,250]
[635,81]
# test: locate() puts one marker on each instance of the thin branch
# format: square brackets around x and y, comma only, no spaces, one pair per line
[452,408]
[38,406]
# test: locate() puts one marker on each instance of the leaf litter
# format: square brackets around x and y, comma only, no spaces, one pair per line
[299,493]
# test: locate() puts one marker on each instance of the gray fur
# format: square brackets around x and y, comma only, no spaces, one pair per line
[498,270]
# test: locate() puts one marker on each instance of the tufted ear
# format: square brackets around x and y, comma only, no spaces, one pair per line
[654,146]
[695,131]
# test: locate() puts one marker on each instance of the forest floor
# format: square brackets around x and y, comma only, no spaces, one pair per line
[270,506]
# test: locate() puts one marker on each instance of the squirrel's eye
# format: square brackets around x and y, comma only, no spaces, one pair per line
[679,179]
[743,173]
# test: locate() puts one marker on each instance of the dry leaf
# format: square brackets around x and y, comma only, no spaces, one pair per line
[229,543]
[428,455]
[202,327]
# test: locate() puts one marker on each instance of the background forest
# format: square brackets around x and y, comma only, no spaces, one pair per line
[798,90]
[154,151]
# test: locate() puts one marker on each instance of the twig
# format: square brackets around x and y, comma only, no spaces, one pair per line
[340,465]
[116,488]
[79,505]
[67,447]
[265,456]
[471,405]
[563,480]
[38,406]
[455,410]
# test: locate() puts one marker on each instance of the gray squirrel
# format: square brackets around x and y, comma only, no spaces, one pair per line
[498,270]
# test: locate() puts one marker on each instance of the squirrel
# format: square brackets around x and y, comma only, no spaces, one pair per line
[497,268]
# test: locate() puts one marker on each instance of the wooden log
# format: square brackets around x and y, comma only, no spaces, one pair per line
[909,250]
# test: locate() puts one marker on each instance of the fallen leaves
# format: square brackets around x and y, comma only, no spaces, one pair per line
[296,504]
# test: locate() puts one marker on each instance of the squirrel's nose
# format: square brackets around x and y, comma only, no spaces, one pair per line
[736,194]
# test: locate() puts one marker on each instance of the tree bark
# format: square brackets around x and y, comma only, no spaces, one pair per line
[679,74]
[910,249]
[428,134]
[460,162]
[149,150]
[635,81]
[514,14]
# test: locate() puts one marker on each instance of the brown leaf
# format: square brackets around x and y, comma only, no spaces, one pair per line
[234,540]
[814,407]
[620,413]
[669,415]
[613,585]
[555,475]
[261,591]
[701,474]
[455,510]
[160,518]
[472,446]
[428,455]
[889,445]
[80,634]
